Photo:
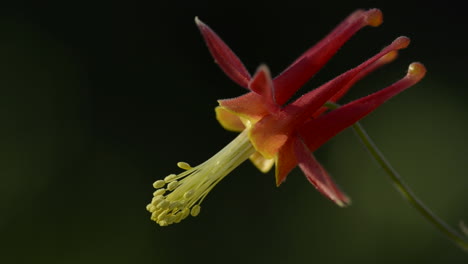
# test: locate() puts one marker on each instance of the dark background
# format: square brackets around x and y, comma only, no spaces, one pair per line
[97,101]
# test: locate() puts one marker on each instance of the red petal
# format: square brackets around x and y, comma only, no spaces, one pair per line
[318,131]
[262,84]
[374,66]
[270,133]
[304,107]
[249,105]
[317,175]
[285,162]
[296,75]
[224,56]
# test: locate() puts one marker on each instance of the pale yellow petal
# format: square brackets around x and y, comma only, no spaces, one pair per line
[229,120]
[264,165]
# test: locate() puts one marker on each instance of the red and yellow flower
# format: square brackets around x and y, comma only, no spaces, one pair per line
[274,132]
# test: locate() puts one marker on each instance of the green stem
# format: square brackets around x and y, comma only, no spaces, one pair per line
[404,189]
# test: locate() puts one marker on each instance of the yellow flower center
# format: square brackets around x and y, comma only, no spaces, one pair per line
[177,196]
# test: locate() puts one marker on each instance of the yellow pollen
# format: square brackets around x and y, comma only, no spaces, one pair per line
[178,196]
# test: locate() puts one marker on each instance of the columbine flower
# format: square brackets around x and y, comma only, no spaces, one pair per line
[276,133]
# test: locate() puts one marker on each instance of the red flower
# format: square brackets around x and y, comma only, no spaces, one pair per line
[274,132]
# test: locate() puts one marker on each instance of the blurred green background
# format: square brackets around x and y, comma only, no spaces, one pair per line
[97,101]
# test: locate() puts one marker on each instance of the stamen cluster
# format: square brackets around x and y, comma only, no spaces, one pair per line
[173,201]
[178,196]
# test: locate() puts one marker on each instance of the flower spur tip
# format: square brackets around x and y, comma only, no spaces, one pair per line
[374,17]
[416,70]
[401,42]
[198,21]
[345,203]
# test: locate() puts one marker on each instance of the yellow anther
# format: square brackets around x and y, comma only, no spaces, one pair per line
[170,178]
[149,207]
[159,192]
[158,184]
[157,199]
[163,204]
[195,210]
[172,185]
[185,213]
[154,216]
[162,215]
[170,219]
[174,205]
[184,165]
[178,217]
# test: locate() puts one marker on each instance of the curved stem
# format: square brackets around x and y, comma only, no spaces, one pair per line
[404,189]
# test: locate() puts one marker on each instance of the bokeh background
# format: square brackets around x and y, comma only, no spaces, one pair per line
[98,100]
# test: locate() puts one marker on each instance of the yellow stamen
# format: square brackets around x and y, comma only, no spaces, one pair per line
[184,193]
